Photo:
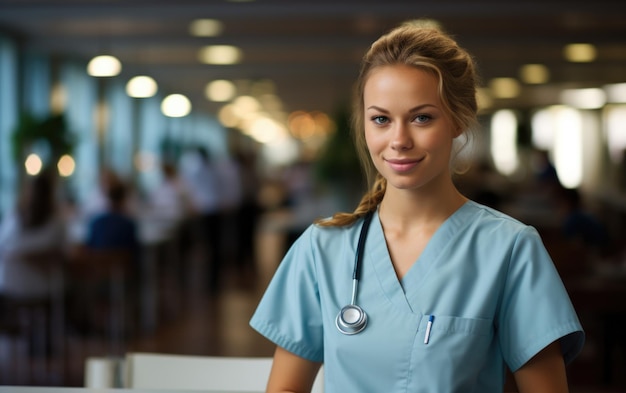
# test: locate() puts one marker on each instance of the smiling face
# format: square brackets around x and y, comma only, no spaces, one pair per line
[408,134]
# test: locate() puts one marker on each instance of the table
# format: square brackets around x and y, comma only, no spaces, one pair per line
[40,389]
[56,389]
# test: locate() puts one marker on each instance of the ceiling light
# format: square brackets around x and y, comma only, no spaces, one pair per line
[206,27]
[58,98]
[246,105]
[176,105]
[104,65]
[592,98]
[504,87]
[616,93]
[580,53]
[220,54]
[220,90]
[141,87]
[426,22]
[271,103]
[542,128]
[534,73]
[66,165]
[301,124]
[504,141]
[33,164]
[568,147]
[228,117]
[616,133]
[266,130]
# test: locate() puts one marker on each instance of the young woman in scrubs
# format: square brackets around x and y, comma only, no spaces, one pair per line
[454,292]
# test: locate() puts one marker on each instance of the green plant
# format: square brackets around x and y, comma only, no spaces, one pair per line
[51,129]
[338,161]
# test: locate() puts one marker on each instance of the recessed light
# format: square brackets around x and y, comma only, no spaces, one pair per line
[534,74]
[206,27]
[220,54]
[504,87]
[580,53]
[104,65]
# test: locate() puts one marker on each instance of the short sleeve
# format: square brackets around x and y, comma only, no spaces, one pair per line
[289,313]
[535,308]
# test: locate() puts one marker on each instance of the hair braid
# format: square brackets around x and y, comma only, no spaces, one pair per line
[368,203]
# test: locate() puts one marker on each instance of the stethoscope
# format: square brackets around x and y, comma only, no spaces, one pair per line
[352,319]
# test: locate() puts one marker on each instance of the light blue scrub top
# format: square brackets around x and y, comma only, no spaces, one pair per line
[487,279]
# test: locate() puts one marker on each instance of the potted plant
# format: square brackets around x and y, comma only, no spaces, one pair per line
[51,130]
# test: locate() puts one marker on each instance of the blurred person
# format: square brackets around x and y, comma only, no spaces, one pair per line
[247,218]
[98,200]
[230,191]
[199,170]
[170,207]
[33,254]
[454,293]
[110,251]
[170,201]
[113,228]
[580,225]
[543,168]
[33,244]
[301,198]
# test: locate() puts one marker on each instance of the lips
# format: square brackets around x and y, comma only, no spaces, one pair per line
[403,165]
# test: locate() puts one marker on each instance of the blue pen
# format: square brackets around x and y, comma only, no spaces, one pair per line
[428,327]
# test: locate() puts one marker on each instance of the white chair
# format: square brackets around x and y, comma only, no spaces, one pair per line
[186,372]
[104,372]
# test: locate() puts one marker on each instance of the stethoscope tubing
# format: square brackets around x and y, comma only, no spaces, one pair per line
[351,318]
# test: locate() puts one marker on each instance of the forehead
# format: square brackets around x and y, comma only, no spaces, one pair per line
[401,81]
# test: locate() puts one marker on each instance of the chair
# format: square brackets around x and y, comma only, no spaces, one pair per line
[226,374]
[104,372]
[34,328]
[100,281]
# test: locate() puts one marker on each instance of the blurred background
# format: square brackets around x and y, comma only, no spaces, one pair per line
[157,159]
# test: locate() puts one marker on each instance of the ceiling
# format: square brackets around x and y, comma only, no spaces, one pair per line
[310,49]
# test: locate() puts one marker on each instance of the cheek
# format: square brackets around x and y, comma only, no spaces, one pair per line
[436,140]
[370,140]
[373,145]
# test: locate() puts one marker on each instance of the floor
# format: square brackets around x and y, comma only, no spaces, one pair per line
[190,321]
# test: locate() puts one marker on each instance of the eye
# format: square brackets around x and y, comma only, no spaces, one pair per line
[380,119]
[422,118]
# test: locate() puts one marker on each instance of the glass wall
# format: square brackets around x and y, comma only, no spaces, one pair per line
[36,84]
[81,113]
[8,120]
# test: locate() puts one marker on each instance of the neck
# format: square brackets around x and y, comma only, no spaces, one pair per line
[405,207]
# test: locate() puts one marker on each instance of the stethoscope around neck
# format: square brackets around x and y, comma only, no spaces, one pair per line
[351,318]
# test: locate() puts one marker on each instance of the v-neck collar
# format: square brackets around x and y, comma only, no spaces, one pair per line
[376,253]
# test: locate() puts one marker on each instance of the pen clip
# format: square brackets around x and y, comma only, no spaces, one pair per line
[429,326]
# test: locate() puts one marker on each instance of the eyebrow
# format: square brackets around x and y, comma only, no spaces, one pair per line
[412,110]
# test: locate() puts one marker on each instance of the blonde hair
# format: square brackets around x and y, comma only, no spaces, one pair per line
[427,48]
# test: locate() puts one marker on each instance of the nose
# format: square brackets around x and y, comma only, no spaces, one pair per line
[401,138]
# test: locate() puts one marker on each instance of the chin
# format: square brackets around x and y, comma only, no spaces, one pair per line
[405,185]
[410,182]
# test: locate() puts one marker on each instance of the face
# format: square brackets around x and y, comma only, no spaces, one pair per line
[408,134]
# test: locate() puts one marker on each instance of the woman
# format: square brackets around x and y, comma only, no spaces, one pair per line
[33,243]
[452,292]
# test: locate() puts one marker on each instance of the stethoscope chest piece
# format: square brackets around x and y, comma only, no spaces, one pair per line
[351,319]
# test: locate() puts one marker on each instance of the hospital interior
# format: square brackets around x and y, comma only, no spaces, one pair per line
[148,97]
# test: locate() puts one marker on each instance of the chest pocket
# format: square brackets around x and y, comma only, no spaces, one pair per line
[456,353]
